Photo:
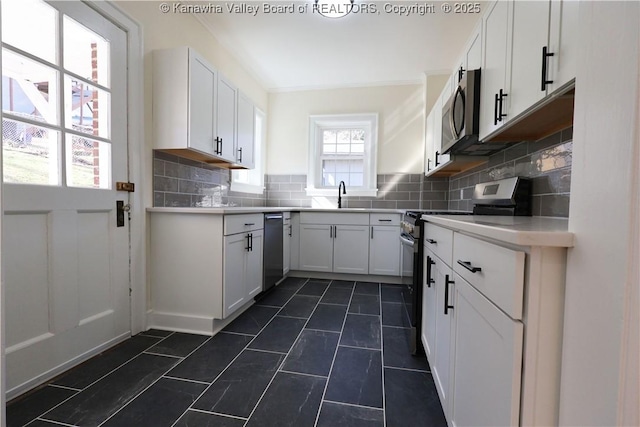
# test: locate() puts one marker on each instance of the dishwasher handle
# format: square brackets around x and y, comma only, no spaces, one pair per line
[272,216]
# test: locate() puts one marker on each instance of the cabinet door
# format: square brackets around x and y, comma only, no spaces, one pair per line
[441,362]
[563,40]
[253,265]
[384,251]
[316,247]
[226,119]
[245,144]
[440,158]
[286,247]
[234,292]
[487,362]
[202,82]
[429,309]
[530,35]
[295,241]
[495,36]
[429,147]
[351,249]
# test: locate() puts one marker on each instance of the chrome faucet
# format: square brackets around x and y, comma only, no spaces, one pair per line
[344,191]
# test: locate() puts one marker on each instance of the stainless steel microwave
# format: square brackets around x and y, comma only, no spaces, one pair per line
[461,116]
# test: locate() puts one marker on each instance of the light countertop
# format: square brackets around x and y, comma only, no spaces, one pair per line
[518,230]
[239,210]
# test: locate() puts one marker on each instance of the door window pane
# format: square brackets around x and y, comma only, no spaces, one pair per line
[88,162]
[30,154]
[29,89]
[30,25]
[85,52]
[86,108]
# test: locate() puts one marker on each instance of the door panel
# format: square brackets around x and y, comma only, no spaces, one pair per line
[351,249]
[234,293]
[253,265]
[67,276]
[316,247]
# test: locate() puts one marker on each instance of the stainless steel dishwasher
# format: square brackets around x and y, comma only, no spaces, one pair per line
[273,269]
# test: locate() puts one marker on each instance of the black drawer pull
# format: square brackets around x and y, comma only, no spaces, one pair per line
[430,280]
[247,224]
[468,266]
[431,241]
[384,220]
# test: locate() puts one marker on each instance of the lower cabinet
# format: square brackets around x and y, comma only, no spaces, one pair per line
[429,311]
[242,279]
[286,243]
[487,362]
[334,248]
[384,251]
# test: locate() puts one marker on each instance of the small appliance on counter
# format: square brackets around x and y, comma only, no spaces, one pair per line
[505,197]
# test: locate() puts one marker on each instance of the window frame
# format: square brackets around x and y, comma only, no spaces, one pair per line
[259,156]
[319,123]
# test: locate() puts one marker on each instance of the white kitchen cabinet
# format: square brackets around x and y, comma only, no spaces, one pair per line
[295,241]
[316,247]
[429,310]
[286,242]
[334,242]
[384,250]
[184,95]
[488,362]
[351,249]
[245,134]
[226,116]
[471,58]
[563,41]
[443,285]
[243,253]
[494,93]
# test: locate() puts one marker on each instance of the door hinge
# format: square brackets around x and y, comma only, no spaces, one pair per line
[125,186]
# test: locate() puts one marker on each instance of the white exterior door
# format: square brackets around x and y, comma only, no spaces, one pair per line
[66,263]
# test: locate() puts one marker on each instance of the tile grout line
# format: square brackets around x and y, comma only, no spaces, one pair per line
[354,405]
[238,355]
[220,414]
[303,373]
[384,393]
[335,353]
[408,369]
[49,421]
[164,355]
[104,376]
[169,377]
[64,387]
[235,333]
[288,352]
[154,382]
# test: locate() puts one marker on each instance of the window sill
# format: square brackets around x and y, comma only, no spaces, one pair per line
[241,187]
[333,192]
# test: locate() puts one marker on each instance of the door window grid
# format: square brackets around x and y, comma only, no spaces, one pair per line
[33,126]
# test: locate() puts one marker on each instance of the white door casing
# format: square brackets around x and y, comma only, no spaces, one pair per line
[66,264]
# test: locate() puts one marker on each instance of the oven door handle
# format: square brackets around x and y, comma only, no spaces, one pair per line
[406,241]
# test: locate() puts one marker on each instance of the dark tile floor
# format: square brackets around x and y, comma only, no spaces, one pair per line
[311,353]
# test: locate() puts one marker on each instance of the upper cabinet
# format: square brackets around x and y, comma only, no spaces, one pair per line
[528,54]
[246,125]
[226,116]
[196,111]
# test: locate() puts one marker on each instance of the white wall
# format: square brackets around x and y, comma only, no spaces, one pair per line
[599,384]
[400,125]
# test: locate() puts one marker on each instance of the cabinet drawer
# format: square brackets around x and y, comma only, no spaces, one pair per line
[500,277]
[334,218]
[239,223]
[440,241]
[384,219]
[286,217]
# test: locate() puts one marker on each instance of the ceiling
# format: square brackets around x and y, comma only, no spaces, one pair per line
[295,51]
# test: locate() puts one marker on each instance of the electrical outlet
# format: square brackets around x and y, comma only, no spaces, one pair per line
[461,194]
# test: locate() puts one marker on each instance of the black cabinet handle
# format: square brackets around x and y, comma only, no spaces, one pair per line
[428,165]
[501,98]
[545,82]
[247,224]
[251,239]
[431,241]
[495,110]
[430,262]
[460,73]
[468,266]
[372,232]
[384,220]
[335,231]
[331,231]
[290,228]
[248,248]
[437,155]
[218,149]
[240,151]
[447,282]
